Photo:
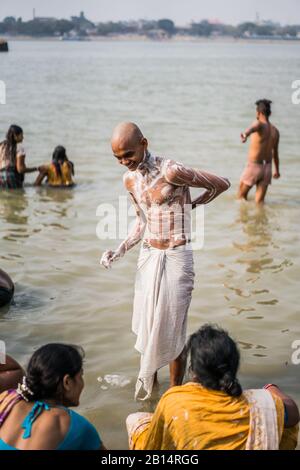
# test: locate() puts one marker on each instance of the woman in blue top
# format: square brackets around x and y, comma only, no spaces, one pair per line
[36,416]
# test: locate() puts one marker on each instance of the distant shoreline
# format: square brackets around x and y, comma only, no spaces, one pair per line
[139,38]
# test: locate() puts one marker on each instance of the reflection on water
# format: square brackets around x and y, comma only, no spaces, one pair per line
[258,252]
[13,207]
[256,227]
[59,195]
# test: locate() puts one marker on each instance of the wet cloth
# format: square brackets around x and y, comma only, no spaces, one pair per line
[9,176]
[163,290]
[11,179]
[257,173]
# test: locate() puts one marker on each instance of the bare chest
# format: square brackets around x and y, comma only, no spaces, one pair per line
[157,192]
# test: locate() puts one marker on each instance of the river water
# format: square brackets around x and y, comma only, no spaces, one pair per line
[192,100]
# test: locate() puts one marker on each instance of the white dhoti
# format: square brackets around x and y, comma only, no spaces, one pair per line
[163,292]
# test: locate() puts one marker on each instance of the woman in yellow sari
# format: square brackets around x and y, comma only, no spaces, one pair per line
[59,173]
[212,412]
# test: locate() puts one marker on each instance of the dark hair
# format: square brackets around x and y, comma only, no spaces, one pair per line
[10,144]
[264,106]
[5,295]
[47,368]
[59,156]
[215,359]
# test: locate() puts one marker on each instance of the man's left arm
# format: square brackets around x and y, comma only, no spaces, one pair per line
[180,175]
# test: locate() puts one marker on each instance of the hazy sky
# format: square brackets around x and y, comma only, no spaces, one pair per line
[181,11]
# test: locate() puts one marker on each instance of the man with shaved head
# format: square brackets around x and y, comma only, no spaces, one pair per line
[159,190]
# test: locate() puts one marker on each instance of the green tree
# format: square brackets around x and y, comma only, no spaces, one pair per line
[167,25]
[204,28]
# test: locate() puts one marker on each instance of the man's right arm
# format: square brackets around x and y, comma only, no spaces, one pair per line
[255,127]
[21,166]
[133,238]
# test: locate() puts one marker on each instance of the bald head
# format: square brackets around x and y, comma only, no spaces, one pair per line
[126,134]
[128,144]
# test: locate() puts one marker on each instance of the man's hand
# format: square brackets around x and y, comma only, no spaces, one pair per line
[276,174]
[243,137]
[107,258]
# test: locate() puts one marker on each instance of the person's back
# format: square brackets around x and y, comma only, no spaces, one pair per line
[60,172]
[191,417]
[62,177]
[48,431]
[55,428]
[262,143]
[212,412]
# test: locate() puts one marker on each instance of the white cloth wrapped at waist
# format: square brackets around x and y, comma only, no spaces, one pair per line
[163,290]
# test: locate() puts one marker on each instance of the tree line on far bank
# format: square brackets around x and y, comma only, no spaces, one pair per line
[39,27]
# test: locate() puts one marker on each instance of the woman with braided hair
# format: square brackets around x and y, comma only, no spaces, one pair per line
[211,412]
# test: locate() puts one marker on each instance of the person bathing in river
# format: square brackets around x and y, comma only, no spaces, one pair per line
[263,148]
[160,192]
[12,159]
[59,172]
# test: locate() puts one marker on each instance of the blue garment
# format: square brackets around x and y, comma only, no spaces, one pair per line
[82,435]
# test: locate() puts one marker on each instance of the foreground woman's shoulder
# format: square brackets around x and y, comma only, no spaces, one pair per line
[85,432]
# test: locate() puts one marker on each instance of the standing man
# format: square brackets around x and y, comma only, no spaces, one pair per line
[159,190]
[264,145]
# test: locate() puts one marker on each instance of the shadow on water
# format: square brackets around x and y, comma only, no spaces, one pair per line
[57,197]
[25,300]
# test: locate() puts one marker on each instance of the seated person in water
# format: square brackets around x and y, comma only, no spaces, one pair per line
[12,159]
[37,416]
[212,412]
[59,172]
[11,374]
[6,288]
